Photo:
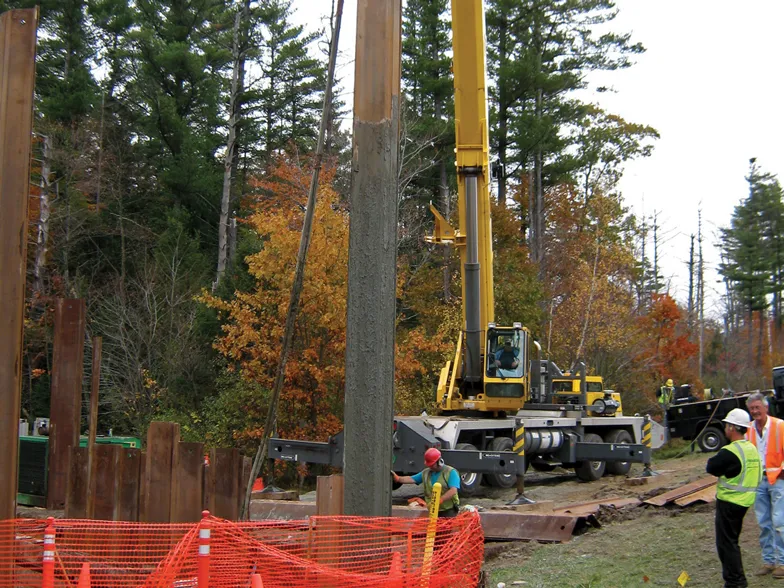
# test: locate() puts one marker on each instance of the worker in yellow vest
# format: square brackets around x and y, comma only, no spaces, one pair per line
[666,393]
[739,469]
[437,471]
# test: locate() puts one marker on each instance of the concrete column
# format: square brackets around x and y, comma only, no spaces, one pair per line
[370,332]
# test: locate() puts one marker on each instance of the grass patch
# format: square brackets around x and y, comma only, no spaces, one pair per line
[674,448]
[651,550]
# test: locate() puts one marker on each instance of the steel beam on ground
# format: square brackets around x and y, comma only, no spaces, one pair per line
[497,525]
[681,491]
[17,80]
[370,320]
[65,408]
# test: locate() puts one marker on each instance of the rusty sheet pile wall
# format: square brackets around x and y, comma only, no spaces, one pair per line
[322,551]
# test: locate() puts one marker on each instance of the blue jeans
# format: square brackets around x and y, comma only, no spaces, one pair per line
[769,508]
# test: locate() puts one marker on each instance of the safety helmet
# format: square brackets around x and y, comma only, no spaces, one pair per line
[739,417]
[669,382]
[432,455]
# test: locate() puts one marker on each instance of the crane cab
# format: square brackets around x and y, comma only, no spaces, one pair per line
[505,382]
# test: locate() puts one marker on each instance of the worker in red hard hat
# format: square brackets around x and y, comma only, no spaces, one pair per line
[437,471]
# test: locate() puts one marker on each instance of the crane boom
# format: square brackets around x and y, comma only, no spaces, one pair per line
[473,370]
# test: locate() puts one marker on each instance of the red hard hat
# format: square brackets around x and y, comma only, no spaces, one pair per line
[432,455]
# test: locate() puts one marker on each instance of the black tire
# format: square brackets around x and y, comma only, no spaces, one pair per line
[712,439]
[590,471]
[469,481]
[501,480]
[619,436]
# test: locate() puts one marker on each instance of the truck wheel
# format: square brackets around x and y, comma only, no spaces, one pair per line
[618,436]
[469,481]
[590,471]
[501,480]
[712,439]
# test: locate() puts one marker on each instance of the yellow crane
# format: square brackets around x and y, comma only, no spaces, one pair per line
[489,372]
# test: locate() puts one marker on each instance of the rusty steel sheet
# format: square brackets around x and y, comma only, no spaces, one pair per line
[707,495]
[681,491]
[536,527]
[497,525]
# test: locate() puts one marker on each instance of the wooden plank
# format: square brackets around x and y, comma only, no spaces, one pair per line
[105,473]
[672,495]
[76,497]
[329,495]
[226,465]
[93,426]
[17,80]
[188,483]
[128,485]
[162,439]
[706,495]
[246,466]
[209,484]
[66,399]
[142,487]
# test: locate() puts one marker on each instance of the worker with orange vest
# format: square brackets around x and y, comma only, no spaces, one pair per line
[437,471]
[767,435]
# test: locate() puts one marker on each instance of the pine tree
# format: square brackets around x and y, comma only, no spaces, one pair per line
[428,137]
[291,98]
[551,45]
[175,97]
[750,245]
[64,86]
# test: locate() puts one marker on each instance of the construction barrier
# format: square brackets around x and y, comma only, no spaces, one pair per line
[323,552]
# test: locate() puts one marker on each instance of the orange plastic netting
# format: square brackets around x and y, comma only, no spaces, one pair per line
[319,552]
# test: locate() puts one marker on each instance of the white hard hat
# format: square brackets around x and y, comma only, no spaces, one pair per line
[738,416]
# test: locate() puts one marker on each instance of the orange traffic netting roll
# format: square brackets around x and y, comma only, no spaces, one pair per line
[319,552]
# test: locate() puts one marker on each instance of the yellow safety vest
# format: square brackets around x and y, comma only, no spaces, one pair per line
[667,392]
[442,478]
[742,489]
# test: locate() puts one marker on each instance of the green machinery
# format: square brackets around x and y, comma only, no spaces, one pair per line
[34,465]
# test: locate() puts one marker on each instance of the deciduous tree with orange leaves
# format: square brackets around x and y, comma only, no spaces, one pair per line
[312,398]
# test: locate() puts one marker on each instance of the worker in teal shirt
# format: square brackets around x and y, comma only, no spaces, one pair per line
[436,471]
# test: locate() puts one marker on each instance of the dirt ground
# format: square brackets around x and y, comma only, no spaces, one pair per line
[635,546]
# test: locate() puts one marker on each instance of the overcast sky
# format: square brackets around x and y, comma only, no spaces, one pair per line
[709,83]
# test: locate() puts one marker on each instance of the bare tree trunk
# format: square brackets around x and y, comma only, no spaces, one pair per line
[100,154]
[656,252]
[231,147]
[590,303]
[532,243]
[701,293]
[296,288]
[444,188]
[503,111]
[232,241]
[690,315]
[43,222]
[539,209]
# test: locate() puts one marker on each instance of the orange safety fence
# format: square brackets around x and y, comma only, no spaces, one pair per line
[319,552]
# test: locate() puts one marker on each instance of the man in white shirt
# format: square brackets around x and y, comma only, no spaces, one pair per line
[767,434]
